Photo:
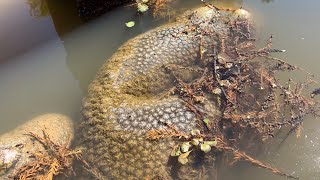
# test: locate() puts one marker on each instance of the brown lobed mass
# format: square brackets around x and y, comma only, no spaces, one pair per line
[129,97]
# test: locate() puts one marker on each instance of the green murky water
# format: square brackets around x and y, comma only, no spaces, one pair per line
[48,57]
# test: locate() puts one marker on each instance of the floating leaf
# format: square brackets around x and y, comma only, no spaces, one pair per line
[205,147]
[210,143]
[195,132]
[142,7]
[185,147]
[130,24]
[195,142]
[176,151]
[183,158]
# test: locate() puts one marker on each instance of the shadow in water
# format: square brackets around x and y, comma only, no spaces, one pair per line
[64,15]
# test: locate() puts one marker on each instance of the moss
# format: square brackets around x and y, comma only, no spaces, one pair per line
[117,143]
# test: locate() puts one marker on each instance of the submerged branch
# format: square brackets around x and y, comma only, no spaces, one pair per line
[55,160]
[253,104]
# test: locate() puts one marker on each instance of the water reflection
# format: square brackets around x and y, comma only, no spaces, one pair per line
[64,15]
[19,31]
[38,8]
[35,83]
[34,77]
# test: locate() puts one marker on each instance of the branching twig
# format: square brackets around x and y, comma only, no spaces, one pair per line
[54,160]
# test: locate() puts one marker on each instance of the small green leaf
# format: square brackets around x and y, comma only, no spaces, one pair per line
[130,24]
[205,147]
[176,151]
[206,121]
[185,147]
[195,132]
[142,7]
[211,143]
[200,140]
[183,158]
[195,142]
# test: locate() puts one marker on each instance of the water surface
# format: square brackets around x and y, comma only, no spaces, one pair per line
[48,57]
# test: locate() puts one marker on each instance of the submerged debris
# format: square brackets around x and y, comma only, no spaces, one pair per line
[242,79]
[53,161]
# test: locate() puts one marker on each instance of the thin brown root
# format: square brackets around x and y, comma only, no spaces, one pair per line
[242,156]
[53,161]
[169,132]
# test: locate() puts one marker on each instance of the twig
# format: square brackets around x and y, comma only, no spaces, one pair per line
[238,155]
[54,160]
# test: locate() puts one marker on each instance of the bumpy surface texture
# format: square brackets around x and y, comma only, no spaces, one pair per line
[16,147]
[130,96]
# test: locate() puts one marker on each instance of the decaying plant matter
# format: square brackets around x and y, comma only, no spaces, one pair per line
[53,161]
[161,8]
[243,80]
